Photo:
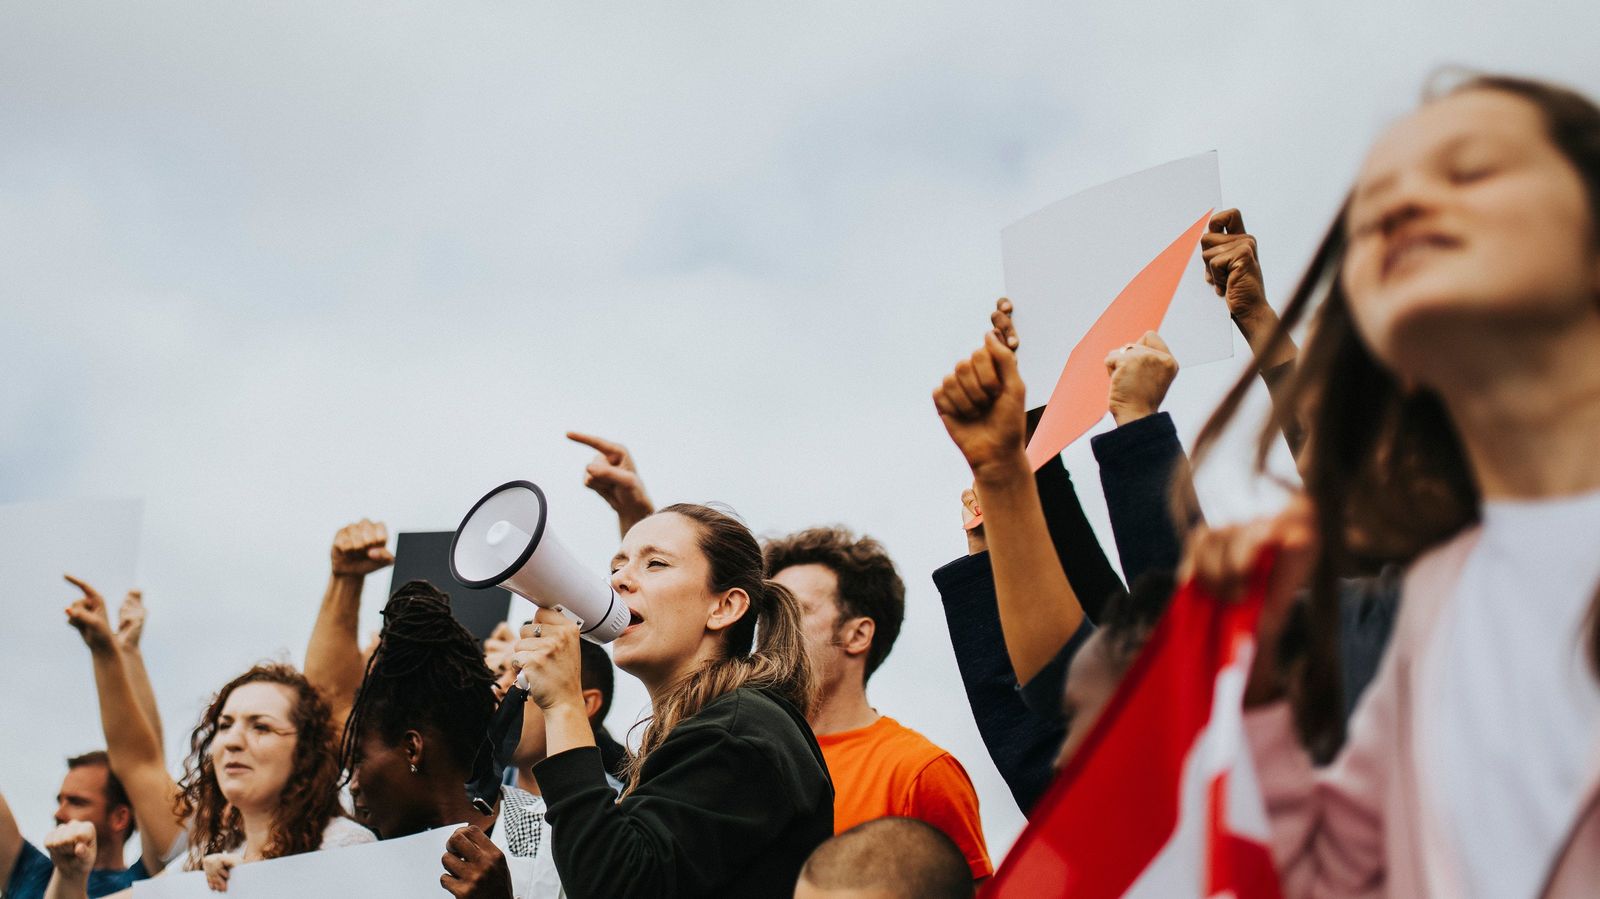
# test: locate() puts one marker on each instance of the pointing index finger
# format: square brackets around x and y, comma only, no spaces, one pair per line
[87,590]
[614,453]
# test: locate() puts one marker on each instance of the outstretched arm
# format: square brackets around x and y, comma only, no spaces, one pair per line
[981,405]
[130,627]
[10,841]
[613,475]
[131,742]
[1234,271]
[334,662]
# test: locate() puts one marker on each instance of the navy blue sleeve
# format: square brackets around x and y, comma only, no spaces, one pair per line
[30,875]
[1021,743]
[1137,463]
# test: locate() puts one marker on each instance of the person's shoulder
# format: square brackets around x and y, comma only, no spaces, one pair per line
[910,747]
[30,873]
[521,823]
[517,801]
[342,831]
[746,709]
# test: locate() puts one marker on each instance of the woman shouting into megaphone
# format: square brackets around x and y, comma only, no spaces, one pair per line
[728,793]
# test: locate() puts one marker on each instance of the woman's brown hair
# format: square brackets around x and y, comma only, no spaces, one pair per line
[1383,464]
[764,649]
[310,799]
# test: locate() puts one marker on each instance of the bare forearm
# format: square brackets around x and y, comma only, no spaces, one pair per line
[1038,610]
[130,738]
[333,657]
[1257,325]
[629,516]
[10,841]
[567,727]
[133,662]
[64,887]
[136,755]
[1275,366]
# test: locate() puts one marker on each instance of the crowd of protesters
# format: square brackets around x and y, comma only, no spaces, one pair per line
[1423,713]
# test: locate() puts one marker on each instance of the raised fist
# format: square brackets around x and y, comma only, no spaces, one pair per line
[72,848]
[130,620]
[1140,375]
[1232,268]
[361,548]
[981,401]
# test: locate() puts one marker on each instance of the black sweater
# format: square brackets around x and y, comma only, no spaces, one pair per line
[730,804]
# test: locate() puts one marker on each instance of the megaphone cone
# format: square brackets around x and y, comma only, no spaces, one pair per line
[506,540]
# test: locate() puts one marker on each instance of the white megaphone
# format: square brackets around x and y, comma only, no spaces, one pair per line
[506,541]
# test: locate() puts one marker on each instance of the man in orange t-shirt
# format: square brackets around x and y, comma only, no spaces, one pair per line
[853,603]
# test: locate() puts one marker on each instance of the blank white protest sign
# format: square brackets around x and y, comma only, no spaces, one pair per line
[401,868]
[1065,264]
[50,703]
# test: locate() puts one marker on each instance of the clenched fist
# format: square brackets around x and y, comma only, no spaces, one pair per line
[361,548]
[1140,375]
[981,402]
[1232,268]
[72,849]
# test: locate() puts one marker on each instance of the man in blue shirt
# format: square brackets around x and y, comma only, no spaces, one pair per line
[90,792]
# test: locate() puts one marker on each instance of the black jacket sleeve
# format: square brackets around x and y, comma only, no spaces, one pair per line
[709,803]
[1021,743]
[1137,464]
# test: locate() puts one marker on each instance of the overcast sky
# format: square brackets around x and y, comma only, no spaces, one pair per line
[274,267]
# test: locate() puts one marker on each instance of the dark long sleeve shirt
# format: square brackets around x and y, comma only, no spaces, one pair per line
[1022,726]
[730,804]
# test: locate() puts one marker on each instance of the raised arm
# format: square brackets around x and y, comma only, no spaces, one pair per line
[981,405]
[334,661]
[1140,458]
[1234,271]
[613,475]
[10,841]
[72,850]
[130,627]
[131,742]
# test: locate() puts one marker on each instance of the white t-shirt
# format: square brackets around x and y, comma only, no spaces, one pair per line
[341,831]
[1507,747]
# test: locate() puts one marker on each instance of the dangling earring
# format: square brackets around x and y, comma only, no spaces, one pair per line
[413,769]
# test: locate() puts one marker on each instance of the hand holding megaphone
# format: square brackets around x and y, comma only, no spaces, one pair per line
[547,657]
[507,540]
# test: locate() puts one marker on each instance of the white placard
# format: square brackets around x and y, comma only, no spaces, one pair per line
[49,684]
[400,868]
[1065,264]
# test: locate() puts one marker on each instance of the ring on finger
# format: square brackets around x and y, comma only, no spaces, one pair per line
[538,630]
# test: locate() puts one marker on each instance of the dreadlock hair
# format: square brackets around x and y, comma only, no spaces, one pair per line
[426,674]
[771,656]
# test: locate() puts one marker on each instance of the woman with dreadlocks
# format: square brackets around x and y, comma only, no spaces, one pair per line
[418,733]
[728,793]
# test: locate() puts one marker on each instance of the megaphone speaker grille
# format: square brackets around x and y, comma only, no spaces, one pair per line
[499,534]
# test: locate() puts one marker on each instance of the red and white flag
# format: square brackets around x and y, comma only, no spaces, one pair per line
[1161,800]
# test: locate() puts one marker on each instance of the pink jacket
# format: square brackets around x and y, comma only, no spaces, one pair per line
[1361,826]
